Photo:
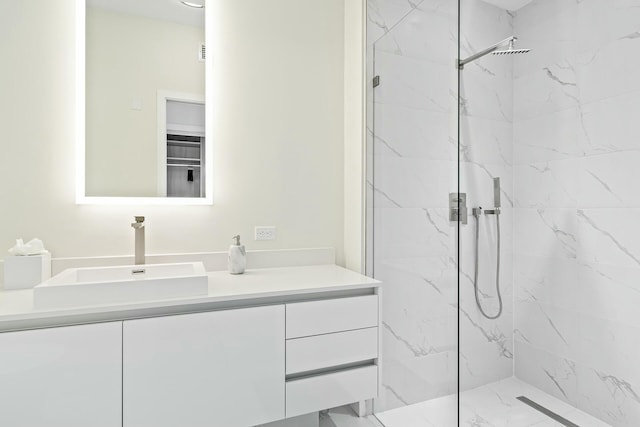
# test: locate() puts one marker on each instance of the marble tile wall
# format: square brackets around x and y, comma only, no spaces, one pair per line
[576,157]
[486,152]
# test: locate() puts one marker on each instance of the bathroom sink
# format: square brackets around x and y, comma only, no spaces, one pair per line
[121,284]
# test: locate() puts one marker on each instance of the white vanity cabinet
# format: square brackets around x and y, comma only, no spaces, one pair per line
[270,348]
[332,353]
[220,368]
[62,377]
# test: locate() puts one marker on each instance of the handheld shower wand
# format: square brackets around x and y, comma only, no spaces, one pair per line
[477,212]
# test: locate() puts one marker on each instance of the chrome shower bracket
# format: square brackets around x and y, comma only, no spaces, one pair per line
[458,207]
[493,49]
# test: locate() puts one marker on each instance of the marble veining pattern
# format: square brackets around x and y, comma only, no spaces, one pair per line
[486,140]
[576,253]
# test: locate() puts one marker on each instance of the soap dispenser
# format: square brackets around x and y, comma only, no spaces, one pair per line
[237,257]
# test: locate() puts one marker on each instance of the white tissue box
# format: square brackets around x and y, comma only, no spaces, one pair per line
[24,272]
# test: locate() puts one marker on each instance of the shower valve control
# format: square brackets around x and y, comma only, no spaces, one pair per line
[458,207]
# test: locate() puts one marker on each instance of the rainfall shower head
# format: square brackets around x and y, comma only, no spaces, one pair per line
[508,43]
[510,50]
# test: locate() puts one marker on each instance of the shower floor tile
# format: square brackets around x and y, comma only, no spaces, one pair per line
[491,405]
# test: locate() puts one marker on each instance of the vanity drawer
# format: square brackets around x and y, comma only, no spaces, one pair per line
[328,391]
[333,315]
[325,351]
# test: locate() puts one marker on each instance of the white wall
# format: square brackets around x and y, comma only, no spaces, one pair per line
[278,138]
[132,57]
[354,134]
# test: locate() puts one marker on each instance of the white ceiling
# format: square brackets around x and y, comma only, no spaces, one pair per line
[509,4]
[164,10]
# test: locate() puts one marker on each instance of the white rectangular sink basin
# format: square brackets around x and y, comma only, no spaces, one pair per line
[121,284]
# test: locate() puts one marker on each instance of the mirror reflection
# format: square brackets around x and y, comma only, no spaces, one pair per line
[145,92]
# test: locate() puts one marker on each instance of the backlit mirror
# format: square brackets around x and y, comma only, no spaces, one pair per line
[144,103]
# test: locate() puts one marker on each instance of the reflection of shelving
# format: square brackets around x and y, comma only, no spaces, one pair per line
[185,143]
[183,149]
[181,159]
[185,158]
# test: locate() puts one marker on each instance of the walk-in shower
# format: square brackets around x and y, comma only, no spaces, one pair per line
[520,306]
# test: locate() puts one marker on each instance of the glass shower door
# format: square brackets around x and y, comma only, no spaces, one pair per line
[412,245]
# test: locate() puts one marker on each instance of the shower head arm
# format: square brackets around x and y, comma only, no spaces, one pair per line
[506,42]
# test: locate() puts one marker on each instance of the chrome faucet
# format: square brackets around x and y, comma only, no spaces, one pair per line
[139,227]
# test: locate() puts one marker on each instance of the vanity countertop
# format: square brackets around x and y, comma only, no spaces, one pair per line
[255,287]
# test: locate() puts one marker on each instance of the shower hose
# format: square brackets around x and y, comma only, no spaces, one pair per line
[475,276]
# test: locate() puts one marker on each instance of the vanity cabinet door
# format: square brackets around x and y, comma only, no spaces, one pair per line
[223,368]
[62,377]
